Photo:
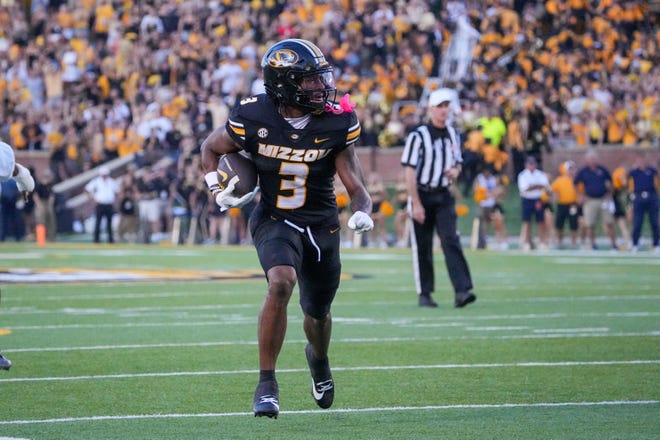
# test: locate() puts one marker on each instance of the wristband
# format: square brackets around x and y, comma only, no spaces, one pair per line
[211,178]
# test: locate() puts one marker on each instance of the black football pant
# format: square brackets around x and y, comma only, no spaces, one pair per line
[441,218]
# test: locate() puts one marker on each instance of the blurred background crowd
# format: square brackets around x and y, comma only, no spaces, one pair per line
[90,81]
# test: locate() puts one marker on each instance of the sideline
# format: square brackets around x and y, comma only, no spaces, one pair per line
[339,410]
[363,368]
[343,340]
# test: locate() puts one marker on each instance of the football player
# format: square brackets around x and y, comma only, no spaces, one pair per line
[298,138]
[10,169]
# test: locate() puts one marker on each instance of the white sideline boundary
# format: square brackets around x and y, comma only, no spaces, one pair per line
[362,368]
[411,321]
[338,411]
[341,340]
[405,301]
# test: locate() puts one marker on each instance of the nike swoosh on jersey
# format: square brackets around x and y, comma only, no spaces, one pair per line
[324,386]
[332,231]
[318,141]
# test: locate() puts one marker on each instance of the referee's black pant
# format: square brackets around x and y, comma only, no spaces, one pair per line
[441,217]
[103,211]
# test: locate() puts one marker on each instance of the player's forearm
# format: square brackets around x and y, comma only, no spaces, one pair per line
[215,145]
[361,201]
[209,153]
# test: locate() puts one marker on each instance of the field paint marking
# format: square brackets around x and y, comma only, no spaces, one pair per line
[338,303]
[123,296]
[496,328]
[608,261]
[125,310]
[224,321]
[349,340]
[571,330]
[362,368]
[402,322]
[340,410]
[169,309]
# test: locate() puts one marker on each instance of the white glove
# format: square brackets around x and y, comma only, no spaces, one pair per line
[360,222]
[225,198]
[24,180]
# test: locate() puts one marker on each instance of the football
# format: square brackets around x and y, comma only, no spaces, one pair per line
[235,164]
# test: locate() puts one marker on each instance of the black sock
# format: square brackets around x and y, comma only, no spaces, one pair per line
[266,375]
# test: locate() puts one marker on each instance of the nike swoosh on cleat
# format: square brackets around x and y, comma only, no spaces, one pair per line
[324,386]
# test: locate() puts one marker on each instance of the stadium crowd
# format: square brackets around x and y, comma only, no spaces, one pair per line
[92,80]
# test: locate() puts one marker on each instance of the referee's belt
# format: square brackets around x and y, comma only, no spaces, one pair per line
[429,188]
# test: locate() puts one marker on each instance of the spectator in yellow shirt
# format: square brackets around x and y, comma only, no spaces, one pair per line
[566,196]
[620,199]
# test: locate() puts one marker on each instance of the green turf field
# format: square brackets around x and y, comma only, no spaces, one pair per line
[159,342]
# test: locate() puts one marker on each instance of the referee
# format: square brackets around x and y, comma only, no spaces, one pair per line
[432,161]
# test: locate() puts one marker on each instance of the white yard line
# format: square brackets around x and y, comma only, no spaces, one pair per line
[124,311]
[336,341]
[123,296]
[339,410]
[338,304]
[612,260]
[362,368]
[219,320]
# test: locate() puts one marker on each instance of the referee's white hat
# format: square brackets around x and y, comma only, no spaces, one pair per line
[439,96]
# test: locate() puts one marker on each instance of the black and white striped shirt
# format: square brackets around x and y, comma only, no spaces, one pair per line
[432,151]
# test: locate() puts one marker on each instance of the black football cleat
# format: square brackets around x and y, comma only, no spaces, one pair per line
[464,298]
[323,387]
[426,301]
[5,364]
[266,400]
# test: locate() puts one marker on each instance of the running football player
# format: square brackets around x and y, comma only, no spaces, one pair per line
[298,138]
[10,169]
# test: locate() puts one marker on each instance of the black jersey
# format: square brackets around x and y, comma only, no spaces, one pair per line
[296,167]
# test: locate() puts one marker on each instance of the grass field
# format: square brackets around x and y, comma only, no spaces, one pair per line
[159,342]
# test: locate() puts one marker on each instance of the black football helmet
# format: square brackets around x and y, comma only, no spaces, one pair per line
[287,63]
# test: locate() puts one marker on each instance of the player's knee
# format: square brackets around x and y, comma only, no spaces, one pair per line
[281,287]
[319,314]
[281,281]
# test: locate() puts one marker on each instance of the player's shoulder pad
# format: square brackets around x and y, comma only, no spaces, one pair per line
[253,108]
[340,122]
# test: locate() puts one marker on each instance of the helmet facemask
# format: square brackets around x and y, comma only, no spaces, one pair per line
[313,90]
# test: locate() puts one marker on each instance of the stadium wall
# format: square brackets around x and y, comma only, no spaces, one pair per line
[385,161]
